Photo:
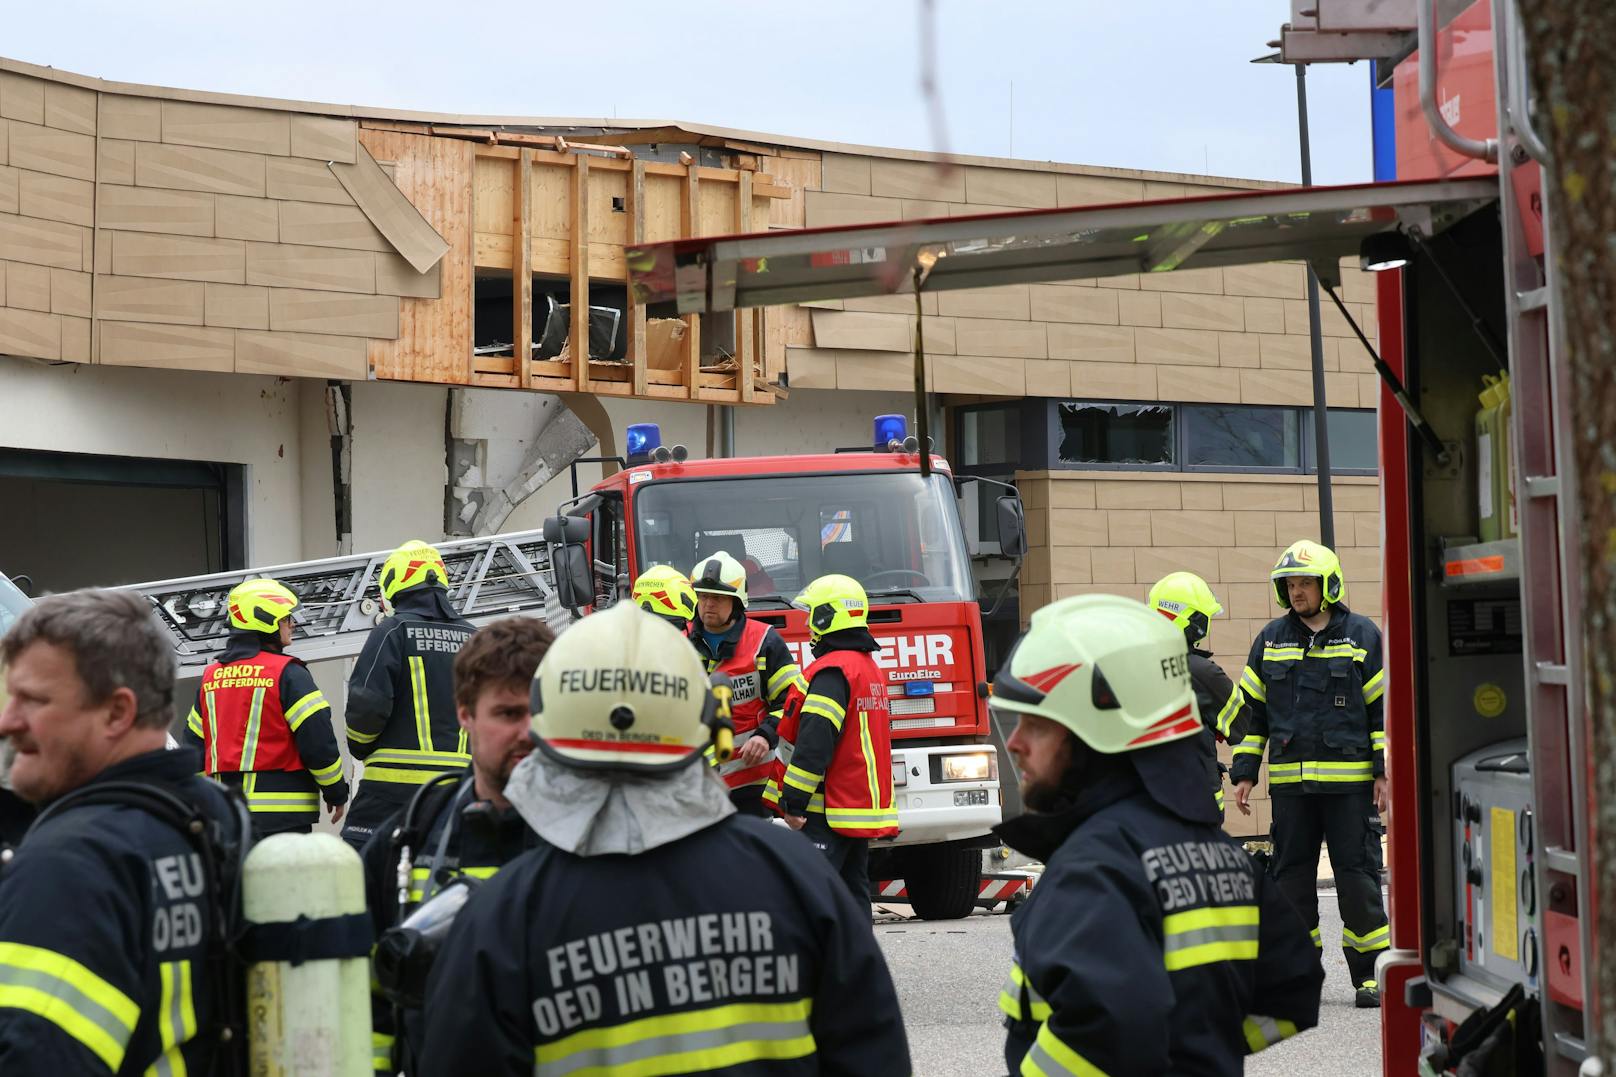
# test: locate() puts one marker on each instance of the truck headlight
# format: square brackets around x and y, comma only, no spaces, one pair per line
[970,767]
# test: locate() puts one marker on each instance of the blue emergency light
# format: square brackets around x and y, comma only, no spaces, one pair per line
[890,428]
[919,688]
[642,440]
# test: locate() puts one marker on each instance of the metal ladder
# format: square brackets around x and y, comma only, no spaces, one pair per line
[489,578]
[1550,573]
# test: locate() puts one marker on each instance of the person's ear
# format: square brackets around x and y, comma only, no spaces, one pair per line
[465,715]
[122,711]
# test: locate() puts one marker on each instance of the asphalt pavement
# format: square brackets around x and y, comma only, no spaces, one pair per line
[949,973]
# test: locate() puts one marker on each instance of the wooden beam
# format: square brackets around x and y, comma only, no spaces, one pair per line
[522,272]
[744,318]
[636,309]
[579,335]
[689,216]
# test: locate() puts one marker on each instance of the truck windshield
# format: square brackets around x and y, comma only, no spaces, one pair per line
[897,533]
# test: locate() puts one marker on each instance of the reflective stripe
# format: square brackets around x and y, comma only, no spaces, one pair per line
[1264,1032]
[356,737]
[423,713]
[1231,707]
[213,730]
[58,989]
[1050,1057]
[860,818]
[1340,650]
[1252,685]
[1282,652]
[1217,798]
[329,775]
[305,707]
[828,709]
[869,759]
[419,877]
[1011,994]
[399,777]
[690,1042]
[1251,745]
[1377,741]
[1205,936]
[1374,687]
[410,757]
[293,801]
[805,780]
[255,717]
[193,722]
[783,678]
[1378,939]
[1317,940]
[462,745]
[381,1051]
[1325,770]
[176,1019]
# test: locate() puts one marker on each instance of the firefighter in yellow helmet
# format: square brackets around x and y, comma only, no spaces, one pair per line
[759,665]
[262,724]
[1152,943]
[1315,685]
[1186,601]
[666,592]
[401,708]
[837,788]
[676,935]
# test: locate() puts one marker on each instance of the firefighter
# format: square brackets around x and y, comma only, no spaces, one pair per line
[666,592]
[654,929]
[1152,943]
[107,911]
[401,710]
[837,788]
[1185,599]
[759,666]
[1314,683]
[262,724]
[463,826]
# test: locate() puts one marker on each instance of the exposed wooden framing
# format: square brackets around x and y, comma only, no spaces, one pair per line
[636,309]
[689,214]
[744,318]
[580,273]
[522,272]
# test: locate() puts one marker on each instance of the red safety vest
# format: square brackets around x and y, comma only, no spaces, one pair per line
[856,795]
[244,726]
[747,707]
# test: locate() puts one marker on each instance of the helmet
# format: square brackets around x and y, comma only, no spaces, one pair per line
[1107,668]
[664,591]
[720,574]
[1307,558]
[260,605]
[412,563]
[833,603]
[1186,600]
[623,690]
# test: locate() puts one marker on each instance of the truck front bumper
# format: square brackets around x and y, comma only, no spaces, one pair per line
[932,806]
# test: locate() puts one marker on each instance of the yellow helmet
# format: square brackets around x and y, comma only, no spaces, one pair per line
[412,563]
[720,574]
[833,603]
[1307,558]
[260,605]
[664,591]
[1105,667]
[623,690]
[1186,600]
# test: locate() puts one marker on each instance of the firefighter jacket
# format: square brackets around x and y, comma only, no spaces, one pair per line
[264,727]
[761,670]
[1316,704]
[458,836]
[401,709]
[1151,945]
[841,742]
[1223,713]
[640,964]
[105,916]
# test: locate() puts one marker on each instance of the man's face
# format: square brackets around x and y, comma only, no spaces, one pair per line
[60,738]
[1042,750]
[1305,593]
[716,611]
[497,729]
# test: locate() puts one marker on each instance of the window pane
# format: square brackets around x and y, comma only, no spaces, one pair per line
[1241,437]
[989,436]
[1354,439]
[1116,434]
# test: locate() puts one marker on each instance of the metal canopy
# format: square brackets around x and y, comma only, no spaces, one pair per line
[1319,224]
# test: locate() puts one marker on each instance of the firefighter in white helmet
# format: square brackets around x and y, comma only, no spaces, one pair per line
[1152,943]
[653,929]
[759,665]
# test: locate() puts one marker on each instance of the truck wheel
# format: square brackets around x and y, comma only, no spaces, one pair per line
[943,884]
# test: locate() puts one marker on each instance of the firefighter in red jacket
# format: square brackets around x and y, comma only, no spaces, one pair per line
[262,724]
[759,666]
[837,788]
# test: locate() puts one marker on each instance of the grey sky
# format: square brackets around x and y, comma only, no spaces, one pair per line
[1153,84]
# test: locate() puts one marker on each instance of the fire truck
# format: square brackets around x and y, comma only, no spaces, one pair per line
[1492,875]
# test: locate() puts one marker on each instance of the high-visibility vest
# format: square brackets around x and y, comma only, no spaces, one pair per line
[748,705]
[856,795]
[244,726]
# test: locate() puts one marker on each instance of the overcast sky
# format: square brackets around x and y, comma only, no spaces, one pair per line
[1151,84]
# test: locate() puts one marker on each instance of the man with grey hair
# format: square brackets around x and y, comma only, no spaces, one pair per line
[108,910]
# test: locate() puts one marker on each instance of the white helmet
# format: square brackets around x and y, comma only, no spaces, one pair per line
[1108,668]
[720,574]
[624,690]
